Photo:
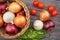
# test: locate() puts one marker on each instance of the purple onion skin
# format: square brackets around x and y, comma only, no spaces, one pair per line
[11,29]
[48,25]
[21,13]
[3,7]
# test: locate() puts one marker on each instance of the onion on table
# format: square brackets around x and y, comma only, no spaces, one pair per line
[48,25]
[38,25]
[44,15]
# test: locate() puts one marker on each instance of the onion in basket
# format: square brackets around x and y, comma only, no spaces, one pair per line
[27,17]
[2,1]
[21,13]
[8,17]
[2,7]
[1,21]
[14,7]
[20,21]
[11,29]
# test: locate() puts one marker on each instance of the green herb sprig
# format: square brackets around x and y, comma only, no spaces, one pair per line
[32,34]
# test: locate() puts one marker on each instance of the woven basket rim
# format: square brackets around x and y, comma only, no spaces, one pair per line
[26,26]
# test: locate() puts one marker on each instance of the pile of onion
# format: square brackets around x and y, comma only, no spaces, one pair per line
[12,17]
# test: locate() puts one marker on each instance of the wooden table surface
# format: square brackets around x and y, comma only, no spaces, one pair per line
[55,34]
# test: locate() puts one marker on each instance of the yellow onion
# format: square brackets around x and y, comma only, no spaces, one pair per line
[20,21]
[14,7]
[1,21]
[44,15]
[2,1]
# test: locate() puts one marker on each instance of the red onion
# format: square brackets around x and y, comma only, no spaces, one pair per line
[11,29]
[2,7]
[21,13]
[49,25]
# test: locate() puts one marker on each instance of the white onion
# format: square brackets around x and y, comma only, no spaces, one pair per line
[38,25]
[8,17]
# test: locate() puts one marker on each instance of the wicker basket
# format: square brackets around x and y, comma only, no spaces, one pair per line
[6,36]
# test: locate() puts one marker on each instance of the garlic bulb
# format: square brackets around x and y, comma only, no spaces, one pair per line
[38,25]
[8,17]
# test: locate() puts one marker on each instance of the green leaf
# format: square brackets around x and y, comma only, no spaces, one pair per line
[32,34]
